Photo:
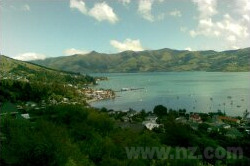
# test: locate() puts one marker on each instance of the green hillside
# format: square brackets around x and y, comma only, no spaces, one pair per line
[19,70]
[22,82]
[155,60]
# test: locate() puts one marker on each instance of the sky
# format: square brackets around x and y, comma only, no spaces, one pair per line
[36,29]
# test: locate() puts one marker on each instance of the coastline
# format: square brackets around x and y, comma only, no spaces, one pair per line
[194,91]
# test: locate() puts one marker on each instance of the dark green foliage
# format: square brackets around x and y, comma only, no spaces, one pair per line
[14,90]
[203,127]
[11,90]
[76,135]
[181,135]
[160,110]
[41,144]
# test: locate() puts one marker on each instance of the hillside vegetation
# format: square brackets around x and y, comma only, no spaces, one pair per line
[45,121]
[23,81]
[156,60]
[19,70]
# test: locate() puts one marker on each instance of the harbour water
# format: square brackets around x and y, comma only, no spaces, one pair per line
[194,91]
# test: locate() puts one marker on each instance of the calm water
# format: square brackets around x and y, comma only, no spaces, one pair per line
[194,91]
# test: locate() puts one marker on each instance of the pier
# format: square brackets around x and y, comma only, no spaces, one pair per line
[128,89]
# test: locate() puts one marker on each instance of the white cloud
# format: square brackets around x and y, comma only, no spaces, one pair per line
[144,9]
[223,28]
[124,2]
[231,38]
[102,11]
[128,44]
[235,47]
[242,7]
[73,51]
[207,8]
[204,23]
[192,33]
[231,30]
[175,13]
[25,7]
[29,56]
[188,49]
[79,5]
[246,17]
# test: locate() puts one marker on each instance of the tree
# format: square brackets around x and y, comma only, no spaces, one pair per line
[203,127]
[160,110]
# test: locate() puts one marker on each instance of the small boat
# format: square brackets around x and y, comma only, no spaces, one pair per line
[125,89]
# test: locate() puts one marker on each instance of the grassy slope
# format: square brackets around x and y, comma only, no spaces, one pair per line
[157,60]
[9,66]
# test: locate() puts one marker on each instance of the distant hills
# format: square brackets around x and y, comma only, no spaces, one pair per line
[26,71]
[153,60]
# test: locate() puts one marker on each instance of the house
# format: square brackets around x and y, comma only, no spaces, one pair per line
[226,126]
[150,125]
[125,118]
[31,104]
[25,116]
[65,99]
[229,120]
[151,118]
[19,107]
[195,118]
[150,122]
[181,119]
[218,127]
[132,113]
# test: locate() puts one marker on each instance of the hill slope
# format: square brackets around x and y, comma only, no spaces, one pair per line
[156,60]
[19,70]
[22,82]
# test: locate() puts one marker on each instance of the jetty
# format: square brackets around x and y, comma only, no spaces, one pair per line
[128,89]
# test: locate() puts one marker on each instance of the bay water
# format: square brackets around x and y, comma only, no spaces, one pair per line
[194,91]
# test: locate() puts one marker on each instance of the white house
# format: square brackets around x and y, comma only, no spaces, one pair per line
[150,125]
[25,116]
[150,122]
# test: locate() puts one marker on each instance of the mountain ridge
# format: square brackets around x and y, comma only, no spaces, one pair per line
[152,60]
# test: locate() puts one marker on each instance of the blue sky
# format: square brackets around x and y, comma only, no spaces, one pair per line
[35,29]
